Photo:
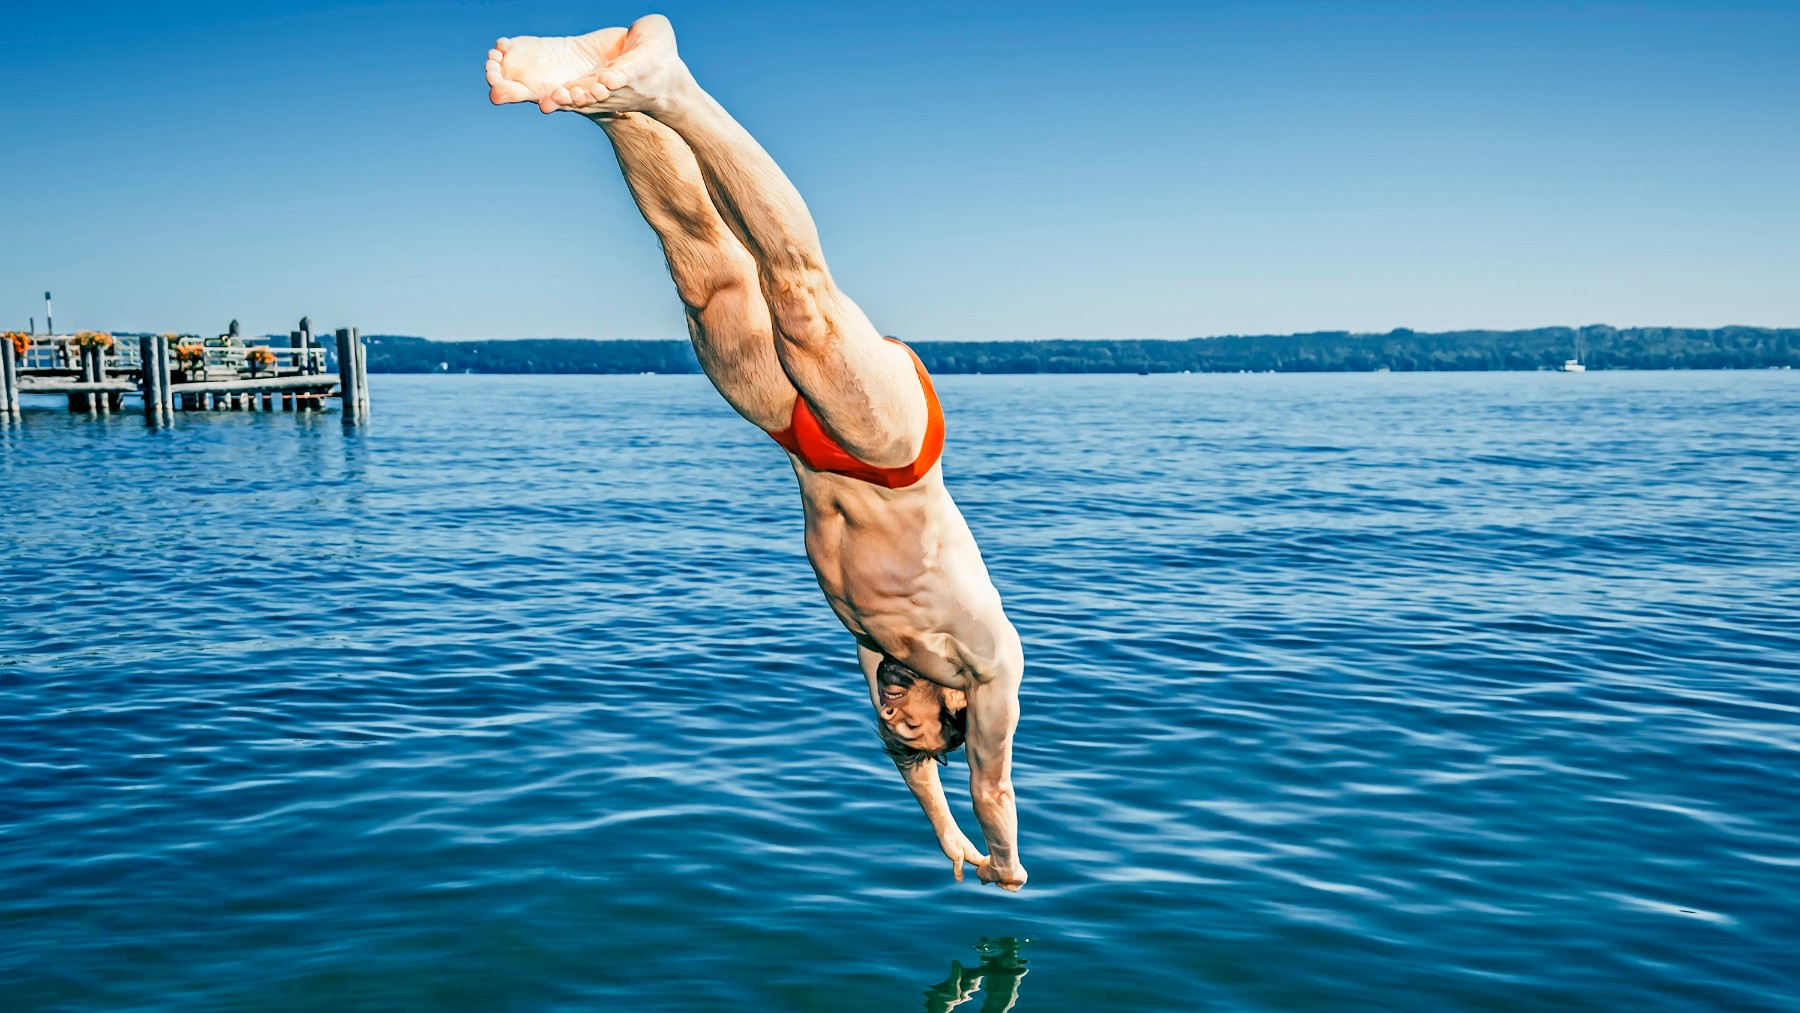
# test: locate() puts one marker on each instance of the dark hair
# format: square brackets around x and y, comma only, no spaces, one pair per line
[955,724]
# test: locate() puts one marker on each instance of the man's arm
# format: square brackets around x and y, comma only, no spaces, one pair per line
[993,696]
[922,781]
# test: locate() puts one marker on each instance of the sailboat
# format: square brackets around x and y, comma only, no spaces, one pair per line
[1574,365]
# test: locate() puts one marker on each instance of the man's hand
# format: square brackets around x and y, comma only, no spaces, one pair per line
[1010,877]
[959,849]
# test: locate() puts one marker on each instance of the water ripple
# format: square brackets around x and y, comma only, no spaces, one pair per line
[1353,692]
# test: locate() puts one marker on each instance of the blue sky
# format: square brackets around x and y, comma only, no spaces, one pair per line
[1015,170]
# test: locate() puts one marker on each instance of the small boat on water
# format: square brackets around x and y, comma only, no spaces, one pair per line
[1573,365]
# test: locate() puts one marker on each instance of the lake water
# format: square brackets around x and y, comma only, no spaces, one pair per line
[1359,692]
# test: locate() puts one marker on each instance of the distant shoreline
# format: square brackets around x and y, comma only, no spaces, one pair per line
[1399,351]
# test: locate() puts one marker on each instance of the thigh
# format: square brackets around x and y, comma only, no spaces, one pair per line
[863,388]
[734,341]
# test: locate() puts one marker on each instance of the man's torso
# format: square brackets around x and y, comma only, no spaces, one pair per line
[901,569]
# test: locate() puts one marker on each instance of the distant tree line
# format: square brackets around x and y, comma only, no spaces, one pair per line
[1401,350]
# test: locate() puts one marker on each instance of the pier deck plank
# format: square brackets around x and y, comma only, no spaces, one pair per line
[75,387]
[320,380]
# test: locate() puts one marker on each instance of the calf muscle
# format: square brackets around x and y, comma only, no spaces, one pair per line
[715,276]
[665,181]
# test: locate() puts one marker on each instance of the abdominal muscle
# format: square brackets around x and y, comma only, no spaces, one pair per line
[900,568]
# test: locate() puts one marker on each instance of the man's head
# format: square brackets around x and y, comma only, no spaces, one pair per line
[917,719]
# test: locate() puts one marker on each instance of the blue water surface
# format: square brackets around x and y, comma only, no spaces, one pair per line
[1358,692]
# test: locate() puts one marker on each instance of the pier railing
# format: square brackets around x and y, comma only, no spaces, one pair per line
[59,355]
[168,371]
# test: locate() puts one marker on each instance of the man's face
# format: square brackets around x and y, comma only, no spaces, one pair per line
[914,713]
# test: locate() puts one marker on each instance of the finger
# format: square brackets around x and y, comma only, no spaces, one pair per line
[959,864]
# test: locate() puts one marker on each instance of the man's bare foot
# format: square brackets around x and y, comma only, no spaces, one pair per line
[613,70]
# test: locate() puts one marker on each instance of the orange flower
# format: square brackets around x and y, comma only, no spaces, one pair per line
[93,339]
[190,355]
[260,356]
[20,341]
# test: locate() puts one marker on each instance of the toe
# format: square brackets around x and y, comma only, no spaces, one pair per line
[613,78]
[501,91]
[503,44]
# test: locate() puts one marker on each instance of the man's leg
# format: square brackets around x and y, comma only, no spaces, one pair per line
[714,275]
[862,388]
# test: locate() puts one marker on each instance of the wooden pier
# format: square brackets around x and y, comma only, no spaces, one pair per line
[181,372]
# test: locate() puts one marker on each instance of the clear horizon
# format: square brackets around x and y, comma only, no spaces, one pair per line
[1156,171]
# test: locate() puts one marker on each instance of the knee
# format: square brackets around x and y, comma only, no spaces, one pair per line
[800,302]
[705,274]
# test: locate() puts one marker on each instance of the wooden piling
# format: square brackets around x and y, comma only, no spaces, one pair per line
[346,375]
[101,402]
[82,402]
[149,377]
[9,380]
[362,373]
[165,368]
[349,376]
[146,370]
[309,343]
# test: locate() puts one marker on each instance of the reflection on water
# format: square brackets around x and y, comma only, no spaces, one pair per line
[997,978]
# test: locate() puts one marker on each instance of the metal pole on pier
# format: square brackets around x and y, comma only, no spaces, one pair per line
[49,317]
[9,380]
